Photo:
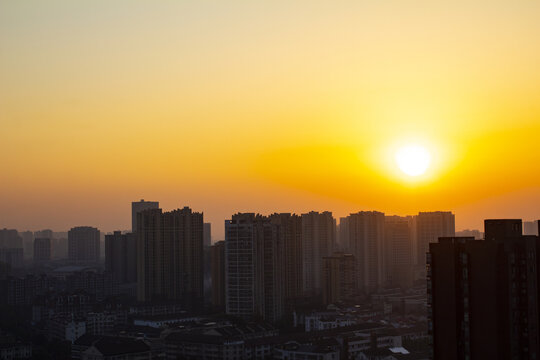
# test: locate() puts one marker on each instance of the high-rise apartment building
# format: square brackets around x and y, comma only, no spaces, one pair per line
[207,234]
[10,239]
[430,226]
[42,250]
[137,207]
[398,251]
[83,244]
[366,243]
[44,234]
[13,257]
[339,278]
[170,256]
[28,243]
[121,256]
[318,241]
[483,294]
[255,271]
[217,269]
[342,234]
[290,235]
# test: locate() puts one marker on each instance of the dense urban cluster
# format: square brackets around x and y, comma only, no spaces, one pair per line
[280,286]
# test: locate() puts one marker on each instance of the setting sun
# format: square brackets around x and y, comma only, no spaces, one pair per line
[413,160]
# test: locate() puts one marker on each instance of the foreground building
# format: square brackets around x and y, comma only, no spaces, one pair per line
[483,294]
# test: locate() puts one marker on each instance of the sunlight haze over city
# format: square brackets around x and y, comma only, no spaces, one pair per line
[267,106]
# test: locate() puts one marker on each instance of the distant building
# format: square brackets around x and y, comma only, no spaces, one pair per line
[45,234]
[84,244]
[398,251]
[430,226]
[137,207]
[207,234]
[253,287]
[290,251]
[530,227]
[42,250]
[343,234]
[477,234]
[483,295]
[366,243]
[28,243]
[121,256]
[13,257]
[263,257]
[339,278]
[217,265]
[170,256]
[10,239]
[318,241]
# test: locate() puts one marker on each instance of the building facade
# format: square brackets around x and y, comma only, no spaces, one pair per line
[217,269]
[121,256]
[398,251]
[366,242]
[318,241]
[84,244]
[483,294]
[339,278]
[42,250]
[137,207]
[170,256]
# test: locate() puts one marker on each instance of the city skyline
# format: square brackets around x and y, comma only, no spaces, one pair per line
[241,106]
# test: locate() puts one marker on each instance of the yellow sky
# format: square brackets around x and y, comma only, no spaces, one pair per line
[266,106]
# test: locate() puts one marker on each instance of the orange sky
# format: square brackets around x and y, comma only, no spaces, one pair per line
[267,106]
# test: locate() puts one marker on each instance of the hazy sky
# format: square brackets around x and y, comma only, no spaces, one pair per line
[265,106]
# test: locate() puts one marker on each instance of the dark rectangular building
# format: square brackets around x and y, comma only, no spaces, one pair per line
[121,256]
[483,294]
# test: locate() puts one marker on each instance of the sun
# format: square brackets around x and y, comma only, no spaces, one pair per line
[413,160]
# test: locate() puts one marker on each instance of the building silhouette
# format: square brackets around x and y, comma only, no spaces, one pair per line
[290,248]
[318,241]
[137,207]
[121,256]
[256,275]
[430,226]
[483,294]
[170,256]
[398,251]
[42,250]
[10,239]
[339,278]
[84,244]
[217,269]
[366,243]
[207,234]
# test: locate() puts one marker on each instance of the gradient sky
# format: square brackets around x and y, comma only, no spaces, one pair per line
[266,106]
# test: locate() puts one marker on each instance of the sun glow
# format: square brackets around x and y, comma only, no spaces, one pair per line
[413,160]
